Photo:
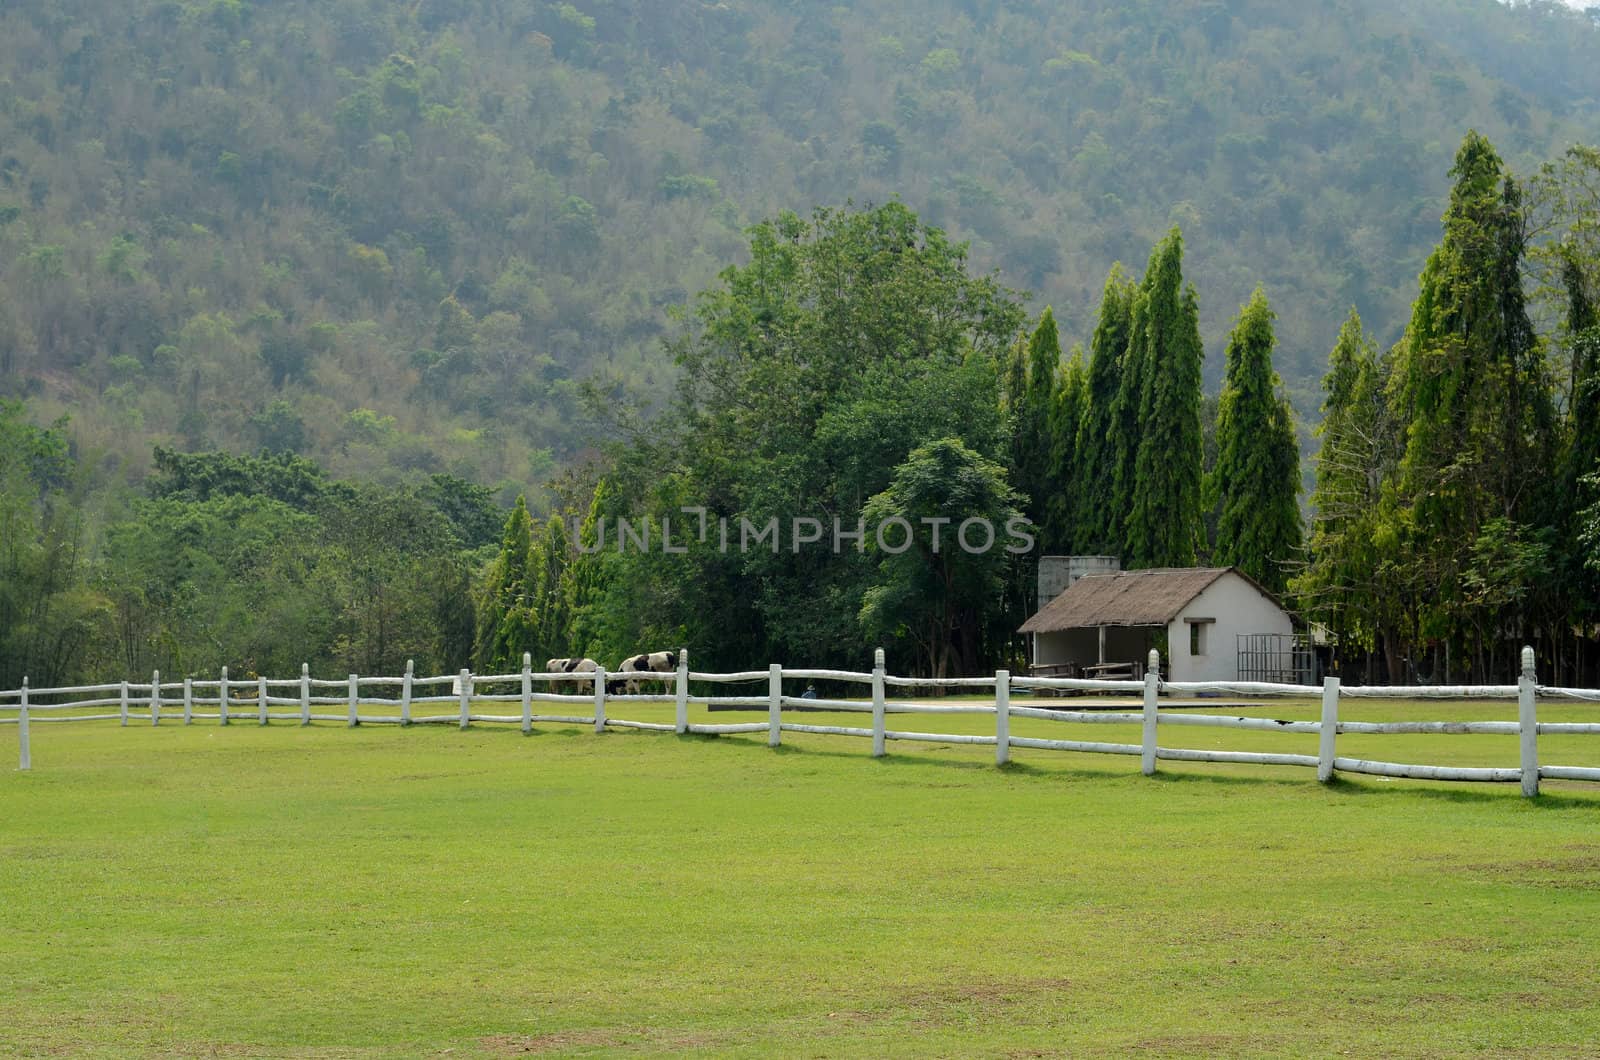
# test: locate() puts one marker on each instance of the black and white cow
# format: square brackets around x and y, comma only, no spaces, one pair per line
[656,662]
[572,666]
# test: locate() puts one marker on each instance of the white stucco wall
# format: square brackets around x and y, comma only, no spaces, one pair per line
[1238,607]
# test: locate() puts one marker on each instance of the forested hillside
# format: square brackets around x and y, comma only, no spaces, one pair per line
[396,237]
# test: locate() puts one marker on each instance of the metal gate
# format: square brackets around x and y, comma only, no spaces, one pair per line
[1281,658]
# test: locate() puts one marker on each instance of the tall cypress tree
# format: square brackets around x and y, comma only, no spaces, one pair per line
[1102,446]
[1256,483]
[1061,512]
[1165,525]
[1127,422]
[1033,466]
[1343,584]
[505,626]
[1583,416]
[1471,385]
[549,603]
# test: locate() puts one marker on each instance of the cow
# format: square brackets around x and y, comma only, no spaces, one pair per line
[577,667]
[656,662]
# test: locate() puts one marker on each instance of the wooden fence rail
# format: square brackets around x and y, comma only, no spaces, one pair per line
[254,700]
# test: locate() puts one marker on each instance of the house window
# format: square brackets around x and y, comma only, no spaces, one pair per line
[1197,636]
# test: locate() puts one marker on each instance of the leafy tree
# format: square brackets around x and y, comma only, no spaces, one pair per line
[1256,484]
[809,375]
[1165,525]
[936,596]
[48,617]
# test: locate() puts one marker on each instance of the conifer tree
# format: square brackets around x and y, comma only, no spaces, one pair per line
[549,604]
[1102,446]
[505,626]
[1033,449]
[1061,510]
[1342,585]
[1471,384]
[1256,484]
[1165,527]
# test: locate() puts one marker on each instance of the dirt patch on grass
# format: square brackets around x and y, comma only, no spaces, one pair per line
[589,1038]
[1578,872]
[533,1044]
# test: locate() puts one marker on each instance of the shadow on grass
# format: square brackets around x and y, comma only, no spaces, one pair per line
[1341,785]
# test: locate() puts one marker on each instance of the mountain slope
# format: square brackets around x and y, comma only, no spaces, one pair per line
[394,237]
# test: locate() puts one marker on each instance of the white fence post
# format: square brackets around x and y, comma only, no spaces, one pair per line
[1330,728]
[355,693]
[261,692]
[405,692]
[527,693]
[1152,682]
[24,755]
[155,698]
[305,693]
[466,698]
[124,704]
[222,698]
[1002,717]
[681,725]
[188,701]
[877,703]
[600,699]
[774,704]
[1528,722]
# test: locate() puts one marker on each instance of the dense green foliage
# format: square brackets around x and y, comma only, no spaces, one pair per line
[1448,507]
[257,563]
[396,236]
[1255,485]
[1165,526]
[940,594]
[809,376]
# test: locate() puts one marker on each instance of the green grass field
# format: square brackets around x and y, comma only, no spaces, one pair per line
[280,892]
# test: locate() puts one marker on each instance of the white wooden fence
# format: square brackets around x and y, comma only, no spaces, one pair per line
[306,699]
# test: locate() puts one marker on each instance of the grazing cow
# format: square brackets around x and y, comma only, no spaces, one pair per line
[656,662]
[575,667]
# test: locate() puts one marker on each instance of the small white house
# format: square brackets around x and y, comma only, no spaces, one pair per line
[1220,625]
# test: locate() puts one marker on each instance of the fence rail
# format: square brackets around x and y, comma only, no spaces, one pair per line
[252,700]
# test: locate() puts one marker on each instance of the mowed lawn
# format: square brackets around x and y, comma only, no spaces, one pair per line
[287,892]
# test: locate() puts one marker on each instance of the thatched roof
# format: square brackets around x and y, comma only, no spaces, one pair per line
[1126,598]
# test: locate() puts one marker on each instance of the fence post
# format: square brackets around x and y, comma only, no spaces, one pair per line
[600,699]
[527,693]
[1329,730]
[1528,722]
[877,703]
[1152,682]
[1002,717]
[155,698]
[261,692]
[405,692]
[682,725]
[774,704]
[305,693]
[222,698]
[24,755]
[124,704]
[466,698]
[188,701]
[355,693]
